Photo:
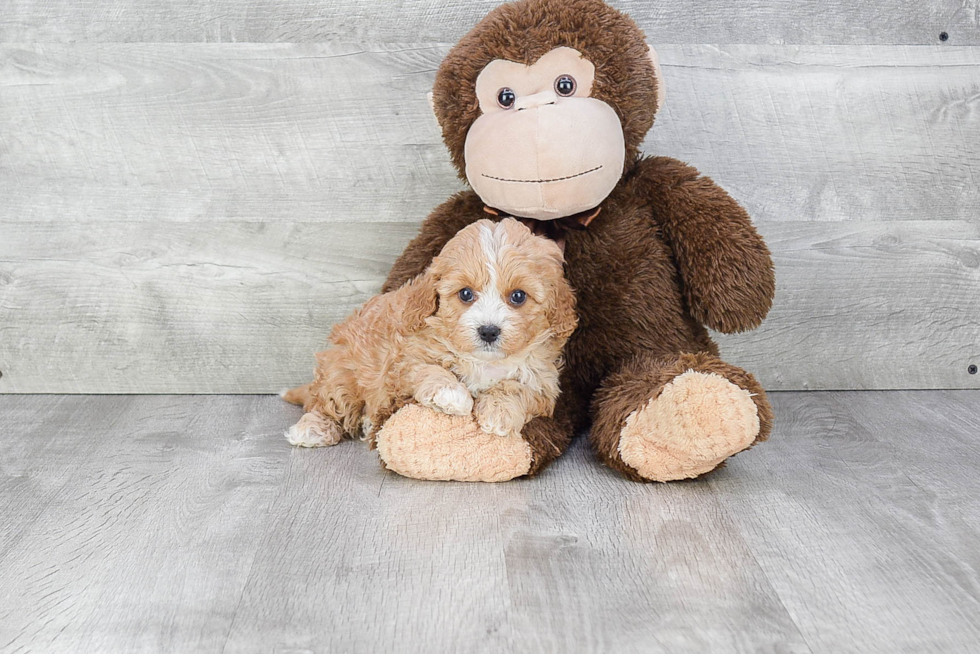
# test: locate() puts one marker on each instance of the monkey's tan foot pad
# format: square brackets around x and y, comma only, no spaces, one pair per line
[423,444]
[696,422]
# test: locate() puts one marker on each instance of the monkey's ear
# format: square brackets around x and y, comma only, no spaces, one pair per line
[432,108]
[661,86]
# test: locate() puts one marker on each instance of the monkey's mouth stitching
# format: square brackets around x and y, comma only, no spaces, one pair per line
[542,181]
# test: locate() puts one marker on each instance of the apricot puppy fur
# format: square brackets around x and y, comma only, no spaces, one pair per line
[480,331]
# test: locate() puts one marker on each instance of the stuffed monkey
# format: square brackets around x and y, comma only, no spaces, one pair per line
[543,106]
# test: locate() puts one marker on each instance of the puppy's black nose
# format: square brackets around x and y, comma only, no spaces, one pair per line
[488,333]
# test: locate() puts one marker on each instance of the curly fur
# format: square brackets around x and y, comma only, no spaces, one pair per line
[418,342]
[668,253]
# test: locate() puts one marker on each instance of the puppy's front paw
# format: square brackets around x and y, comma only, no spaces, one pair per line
[499,416]
[454,400]
[314,430]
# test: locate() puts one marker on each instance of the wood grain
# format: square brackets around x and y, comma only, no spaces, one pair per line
[329,132]
[839,506]
[192,218]
[149,537]
[829,133]
[911,22]
[605,555]
[185,523]
[334,132]
[360,560]
[240,307]
[212,307]
[32,470]
[868,305]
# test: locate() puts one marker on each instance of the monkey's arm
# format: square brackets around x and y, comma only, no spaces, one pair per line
[725,266]
[442,224]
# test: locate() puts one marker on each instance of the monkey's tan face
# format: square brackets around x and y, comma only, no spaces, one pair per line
[542,147]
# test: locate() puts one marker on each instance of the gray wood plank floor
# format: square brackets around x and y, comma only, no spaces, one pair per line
[186,523]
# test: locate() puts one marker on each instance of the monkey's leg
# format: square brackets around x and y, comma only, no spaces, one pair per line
[677,417]
[424,444]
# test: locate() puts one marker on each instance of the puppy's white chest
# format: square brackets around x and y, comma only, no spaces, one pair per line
[481,377]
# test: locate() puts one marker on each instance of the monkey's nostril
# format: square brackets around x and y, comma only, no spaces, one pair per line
[488,333]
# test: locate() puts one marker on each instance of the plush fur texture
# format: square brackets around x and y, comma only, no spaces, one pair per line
[654,405]
[426,342]
[524,31]
[635,299]
[668,254]
[656,440]
[439,447]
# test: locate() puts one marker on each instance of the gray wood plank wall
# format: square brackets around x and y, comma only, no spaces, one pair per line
[666,21]
[182,215]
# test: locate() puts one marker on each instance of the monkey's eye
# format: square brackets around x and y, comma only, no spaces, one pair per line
[518,297]
[565,85]
[466,295]
[506,98]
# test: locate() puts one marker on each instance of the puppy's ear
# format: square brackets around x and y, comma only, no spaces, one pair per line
[554,251]
[561,313]
[422,300]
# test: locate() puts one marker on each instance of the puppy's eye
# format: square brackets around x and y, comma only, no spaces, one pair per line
[506,98]
[517,297]
[466,295]
[565,85]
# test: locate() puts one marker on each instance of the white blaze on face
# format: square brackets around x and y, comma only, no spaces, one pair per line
[489,309]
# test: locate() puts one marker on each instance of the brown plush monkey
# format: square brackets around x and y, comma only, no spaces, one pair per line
[543,107]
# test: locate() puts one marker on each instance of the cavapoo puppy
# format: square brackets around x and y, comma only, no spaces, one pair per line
[480,331]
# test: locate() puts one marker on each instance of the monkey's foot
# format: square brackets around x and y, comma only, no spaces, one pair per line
[696,422]
[421,443]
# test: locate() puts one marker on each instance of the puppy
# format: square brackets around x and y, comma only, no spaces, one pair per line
[480,331]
